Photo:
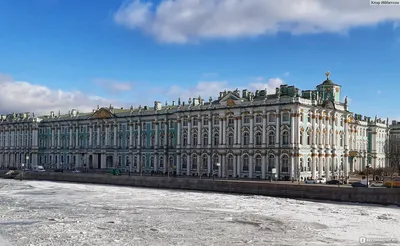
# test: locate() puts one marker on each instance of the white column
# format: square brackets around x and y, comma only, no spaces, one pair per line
[90,136]
[77,137]
[210,135]
[189,136]
[314,165]
[239,130]
[263,166]
[220,131]
[251,129]
[157,136]
[98,134]
[237,162]
[224,165]
[178,134]
[189,165]
[115,135]
[58,137]
[293,126]
[139,138]
[251,165]
[278,132]
[178,165]
[53,135]
[235,124]
[264,130]
[199,133]
[223,131]
[131,135]
[220,166]
[71,129]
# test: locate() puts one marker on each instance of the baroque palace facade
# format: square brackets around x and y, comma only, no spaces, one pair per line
[289,133]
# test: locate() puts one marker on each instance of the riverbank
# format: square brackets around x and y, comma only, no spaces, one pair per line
[293,190]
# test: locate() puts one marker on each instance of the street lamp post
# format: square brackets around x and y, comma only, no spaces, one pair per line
[368,166]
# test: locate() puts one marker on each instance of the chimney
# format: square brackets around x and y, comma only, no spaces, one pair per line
[244,93]
[195,101]
[52,114]
[157,105]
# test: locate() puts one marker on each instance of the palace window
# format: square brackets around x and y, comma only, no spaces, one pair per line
[152,162]
[245,166]
[246,120]
[258,138]
[271,162]
[230,139]
[194,139]
[216,139]
[205,139]
[230,162]
[152,141]
[271,138]
[216,120]
[231,121]
[184,162]
[308,138]
[271,118]
[185,122]
[184,140]
[257,167]
[205,122]
[195,122]
[258,119]
[285,117]
[171,140]
[285,138]
[301,138]
[285,164]
[194,162]
[246,138]
[161,162]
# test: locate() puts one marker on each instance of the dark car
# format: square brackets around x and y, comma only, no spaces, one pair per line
[358,184]
[59,170]
[334,182]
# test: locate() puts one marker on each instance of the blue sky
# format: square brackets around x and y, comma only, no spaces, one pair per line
[76,54]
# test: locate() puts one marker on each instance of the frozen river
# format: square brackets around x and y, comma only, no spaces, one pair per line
[46,213]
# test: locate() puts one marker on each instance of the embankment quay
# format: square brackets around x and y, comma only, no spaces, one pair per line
[275,189]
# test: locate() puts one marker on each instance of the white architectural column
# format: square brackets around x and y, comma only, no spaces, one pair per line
[98,134]
[264,130]
[224,165]
[157,136]
[59,137]
[71,129]
[90,136]
[223,132]
[220,172]
[178,133]
[237,166]
[292,166]
[189,165]
[131,134]
[139,136]
[210,135]
[278,165]
[293,126]
[251,142]
[199,132]
[313,166]
[115,134]
[156,161]
[263,166]
[314,126]
[209,164]
[53,135]
[235,134]
[251,166]
[277,130]
[178,164]
[239,130]
[220,131]
[189,136]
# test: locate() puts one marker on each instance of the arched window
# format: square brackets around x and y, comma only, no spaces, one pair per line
[301,138]
[285,137]
[285,164]
[205,139]
[245,166]
[184,162]
[308,138]
[216,139]
[215,162]
[153,141]
[143,164]
[271,162]
[257,167]
[230,162]
[184,140]
[171,140]
[205,162]
[271,138]
[246,139]
[171,164]
[144,141]
[341,140]
[302,169]
[194,162]
[162,140]
[194,139]
[230,139]
[258,138]
[161,162]
[152,162]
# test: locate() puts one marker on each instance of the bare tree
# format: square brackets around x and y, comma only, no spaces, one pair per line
[392,151]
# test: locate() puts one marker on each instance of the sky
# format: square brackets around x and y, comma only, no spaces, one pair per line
[70,54]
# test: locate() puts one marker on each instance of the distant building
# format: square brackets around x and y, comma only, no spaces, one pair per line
[249,134]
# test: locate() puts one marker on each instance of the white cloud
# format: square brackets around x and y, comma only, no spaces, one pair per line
[114,86]
[182,21]
[20,96]
[212,88]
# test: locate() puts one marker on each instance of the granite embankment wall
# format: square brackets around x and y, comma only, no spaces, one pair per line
[292,190]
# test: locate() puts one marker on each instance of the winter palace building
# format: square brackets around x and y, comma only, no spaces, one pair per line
[286,133]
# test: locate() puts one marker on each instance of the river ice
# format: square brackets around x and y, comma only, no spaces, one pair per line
[47,213]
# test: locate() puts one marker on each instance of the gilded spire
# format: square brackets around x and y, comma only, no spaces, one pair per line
[327,74]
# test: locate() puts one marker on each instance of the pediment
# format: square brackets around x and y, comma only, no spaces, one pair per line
[103,113]
[230,99]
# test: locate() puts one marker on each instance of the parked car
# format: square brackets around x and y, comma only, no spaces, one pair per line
[59,170]
[309,181]
[358,184]
[377,184]
[39,169]
[321,181]
[334,182]
[75,171]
